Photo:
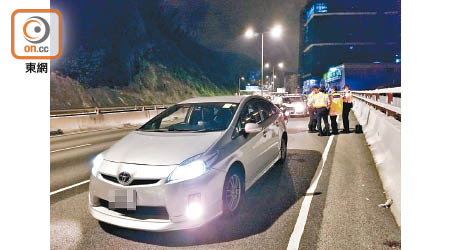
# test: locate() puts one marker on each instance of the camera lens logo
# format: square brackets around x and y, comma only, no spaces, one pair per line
[36,34]
[36,29]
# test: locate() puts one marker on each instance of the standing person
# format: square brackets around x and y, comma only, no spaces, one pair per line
[321,102]
[312,117]
[346,108]
[336,104]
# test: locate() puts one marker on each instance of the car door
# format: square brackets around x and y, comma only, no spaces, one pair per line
[270,132]
[251,151]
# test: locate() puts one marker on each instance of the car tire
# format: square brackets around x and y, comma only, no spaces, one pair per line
[233,191]
[283,150]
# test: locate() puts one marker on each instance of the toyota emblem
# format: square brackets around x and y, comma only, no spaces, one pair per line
[124,178]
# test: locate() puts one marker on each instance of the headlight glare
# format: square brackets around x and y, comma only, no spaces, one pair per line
[299,108]
[96,164]
[188,171]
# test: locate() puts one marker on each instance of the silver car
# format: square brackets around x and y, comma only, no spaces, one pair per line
[187,165]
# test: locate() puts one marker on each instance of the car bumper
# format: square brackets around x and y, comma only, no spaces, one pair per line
[297,113]
[173,197]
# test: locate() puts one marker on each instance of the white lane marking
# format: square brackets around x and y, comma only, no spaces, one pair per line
[89,131]
[69,187]
[294,241]
[62,149]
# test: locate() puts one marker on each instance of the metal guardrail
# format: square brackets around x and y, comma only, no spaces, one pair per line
[97,110]
[372,97]
[396,90]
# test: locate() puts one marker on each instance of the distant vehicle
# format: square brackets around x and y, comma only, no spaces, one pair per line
[295,105]
[187,165]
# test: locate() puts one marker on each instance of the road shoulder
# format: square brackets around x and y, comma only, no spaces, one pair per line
[346,214]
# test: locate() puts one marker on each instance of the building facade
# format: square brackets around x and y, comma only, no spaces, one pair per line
[291,83]
[335,32]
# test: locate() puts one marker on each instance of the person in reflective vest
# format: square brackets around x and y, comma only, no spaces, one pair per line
[312,117]
[336,105]
[347,99]
[321,102]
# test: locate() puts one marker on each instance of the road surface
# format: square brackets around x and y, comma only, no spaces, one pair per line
[341,212]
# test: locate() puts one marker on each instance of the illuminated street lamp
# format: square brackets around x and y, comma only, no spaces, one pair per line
[250,33]
[275,32]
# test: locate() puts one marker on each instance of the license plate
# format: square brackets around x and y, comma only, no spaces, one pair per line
[122,199]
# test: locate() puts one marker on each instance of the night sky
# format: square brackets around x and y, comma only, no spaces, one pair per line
[220,25]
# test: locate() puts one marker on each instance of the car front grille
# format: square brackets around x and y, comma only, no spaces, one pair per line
[141,212]
[133,183]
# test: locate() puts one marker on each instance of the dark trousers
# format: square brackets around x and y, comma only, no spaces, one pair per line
[334,125]
[322,114]
[312,119]
[345,111]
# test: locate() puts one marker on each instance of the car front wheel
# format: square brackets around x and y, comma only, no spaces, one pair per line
[233,191]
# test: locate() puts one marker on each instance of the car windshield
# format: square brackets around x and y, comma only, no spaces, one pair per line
[193,117]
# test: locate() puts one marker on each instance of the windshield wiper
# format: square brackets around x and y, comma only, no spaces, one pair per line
[207,130]
[178,129]
[153,130]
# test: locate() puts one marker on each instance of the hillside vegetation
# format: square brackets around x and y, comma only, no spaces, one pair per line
[137,52]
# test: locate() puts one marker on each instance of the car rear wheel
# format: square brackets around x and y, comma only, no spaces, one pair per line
[283,150]
[233,190]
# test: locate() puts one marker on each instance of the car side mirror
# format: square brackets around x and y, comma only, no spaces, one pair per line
[252,128]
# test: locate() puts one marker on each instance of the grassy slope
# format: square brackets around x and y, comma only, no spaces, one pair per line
[153,85]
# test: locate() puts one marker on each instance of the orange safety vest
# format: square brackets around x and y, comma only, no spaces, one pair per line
[336,105]
[320,100]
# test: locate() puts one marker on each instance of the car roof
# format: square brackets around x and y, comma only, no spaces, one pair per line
[228,99]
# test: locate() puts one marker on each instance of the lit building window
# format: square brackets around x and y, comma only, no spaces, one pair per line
[317,8]
[321,8]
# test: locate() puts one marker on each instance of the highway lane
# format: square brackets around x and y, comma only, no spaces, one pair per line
[270,209]
[69,140]
[70,155]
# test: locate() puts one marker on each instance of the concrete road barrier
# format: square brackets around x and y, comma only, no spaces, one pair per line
[78,123]
[383,134]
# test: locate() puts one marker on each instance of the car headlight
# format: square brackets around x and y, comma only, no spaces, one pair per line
[286,113]
[96,162]
[188,171]
[299,108]
[191,168]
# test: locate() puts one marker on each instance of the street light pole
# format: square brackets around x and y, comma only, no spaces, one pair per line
[262,62]
[276,33]
[239,86]
[273,79]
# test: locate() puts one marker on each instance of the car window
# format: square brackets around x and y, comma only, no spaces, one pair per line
[249,113]
[266,109]
[194,117]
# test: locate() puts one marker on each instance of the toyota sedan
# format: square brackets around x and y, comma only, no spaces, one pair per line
[188,165]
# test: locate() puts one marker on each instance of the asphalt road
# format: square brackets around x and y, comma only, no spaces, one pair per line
[343,213]
[70,155]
